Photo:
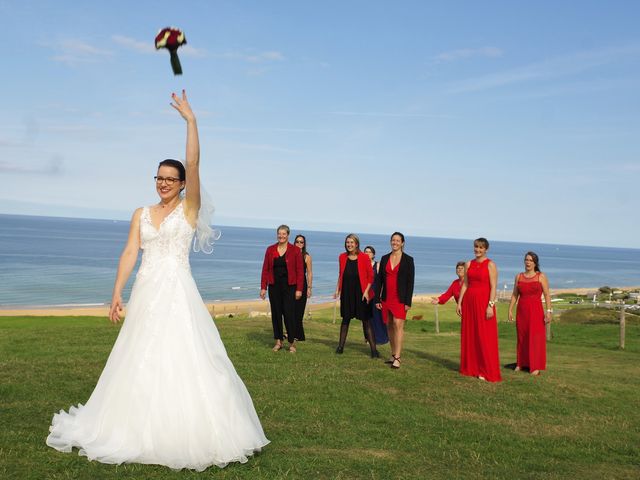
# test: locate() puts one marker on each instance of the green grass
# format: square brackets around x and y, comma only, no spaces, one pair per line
[599,315]
[348,416]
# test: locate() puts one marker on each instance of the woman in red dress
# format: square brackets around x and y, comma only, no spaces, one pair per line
[479,331]
[394,292]
[454,288]
[531,321]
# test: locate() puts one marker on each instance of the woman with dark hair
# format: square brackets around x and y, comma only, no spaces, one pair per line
[377,325]
[168,394]
[301,303]
[355,277]
[529,286]
[479,330]
[454,288]
[283,273]
[394,293]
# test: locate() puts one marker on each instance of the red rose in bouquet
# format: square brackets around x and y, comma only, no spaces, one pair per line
[171,38]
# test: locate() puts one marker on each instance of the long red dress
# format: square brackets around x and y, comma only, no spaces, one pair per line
[479,334]
[532,336]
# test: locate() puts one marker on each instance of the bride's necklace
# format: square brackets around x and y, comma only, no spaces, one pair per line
[168,205]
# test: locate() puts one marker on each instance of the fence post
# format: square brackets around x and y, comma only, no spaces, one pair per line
[548,329]
[335,308]
[437,321]
[622,327]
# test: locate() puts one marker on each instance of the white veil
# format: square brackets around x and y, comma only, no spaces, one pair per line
[205,235]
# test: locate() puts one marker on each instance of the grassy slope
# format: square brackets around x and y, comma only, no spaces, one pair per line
[348,416]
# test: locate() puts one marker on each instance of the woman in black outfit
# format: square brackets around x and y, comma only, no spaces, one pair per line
[301,303]
[394,292]
[282,272]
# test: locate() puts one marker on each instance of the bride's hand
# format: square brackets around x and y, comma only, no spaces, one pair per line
[182,106]
[116,309]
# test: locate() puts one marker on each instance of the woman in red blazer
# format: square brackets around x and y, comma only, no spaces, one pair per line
[283,273]
[354,289]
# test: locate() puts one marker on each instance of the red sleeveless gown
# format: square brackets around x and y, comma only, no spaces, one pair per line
[532,338]
[479,334]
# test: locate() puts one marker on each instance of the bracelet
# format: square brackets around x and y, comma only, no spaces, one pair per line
[549,310]
[492,303]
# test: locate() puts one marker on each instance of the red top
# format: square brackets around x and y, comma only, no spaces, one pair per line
[392,284]
[365,271]
[452,291]
[530,288]
[293,258]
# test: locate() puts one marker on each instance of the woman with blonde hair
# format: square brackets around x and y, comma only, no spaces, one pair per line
[354,290]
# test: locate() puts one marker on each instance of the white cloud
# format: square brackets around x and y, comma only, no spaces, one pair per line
[389,114]
[250,57]
[73,52]
[133,44]
[462,53]
[190,51]
[149,48]
[53,167]
[629,167]
[556,67]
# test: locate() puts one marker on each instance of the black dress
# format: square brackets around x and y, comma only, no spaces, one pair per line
[301,305]
[351,303]
[282,297]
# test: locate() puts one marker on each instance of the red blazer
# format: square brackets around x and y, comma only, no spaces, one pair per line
[365,271]
[295,271]
[452,291]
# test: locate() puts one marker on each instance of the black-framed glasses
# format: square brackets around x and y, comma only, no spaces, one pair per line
[167,180]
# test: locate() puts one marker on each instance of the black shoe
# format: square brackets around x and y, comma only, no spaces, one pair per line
[339,349]
[375,354]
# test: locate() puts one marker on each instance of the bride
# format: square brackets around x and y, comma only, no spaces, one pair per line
[168,395]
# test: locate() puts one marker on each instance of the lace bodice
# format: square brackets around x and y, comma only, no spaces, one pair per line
[169,245]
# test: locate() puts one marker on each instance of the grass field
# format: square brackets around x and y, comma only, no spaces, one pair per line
[348,416]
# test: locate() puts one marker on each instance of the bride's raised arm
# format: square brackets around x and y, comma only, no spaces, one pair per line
[192,200]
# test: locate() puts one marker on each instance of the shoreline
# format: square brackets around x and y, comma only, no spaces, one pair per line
[223,307]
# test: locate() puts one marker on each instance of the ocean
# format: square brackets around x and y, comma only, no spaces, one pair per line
[70,261]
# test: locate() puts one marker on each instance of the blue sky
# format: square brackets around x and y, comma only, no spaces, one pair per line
[511,120]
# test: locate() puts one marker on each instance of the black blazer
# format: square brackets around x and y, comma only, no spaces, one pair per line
[406,276]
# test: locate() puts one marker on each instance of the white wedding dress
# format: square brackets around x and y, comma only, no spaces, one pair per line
[168,394]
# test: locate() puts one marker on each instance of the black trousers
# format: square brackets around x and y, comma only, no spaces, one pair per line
[300,306]
[282,298]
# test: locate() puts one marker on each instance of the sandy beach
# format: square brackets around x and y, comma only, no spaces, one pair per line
[224,308]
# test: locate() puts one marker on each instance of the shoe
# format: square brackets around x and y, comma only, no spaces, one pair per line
[375,354]
[396,360]
[340,349]
[517,369]
[390,361]
[292,348]
[480,377]
[535,373]
[277,347]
